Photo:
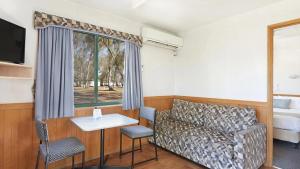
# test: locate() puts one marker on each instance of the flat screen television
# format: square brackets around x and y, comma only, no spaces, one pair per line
[12,42]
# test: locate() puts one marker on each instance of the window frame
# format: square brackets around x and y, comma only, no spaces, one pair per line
[96,74]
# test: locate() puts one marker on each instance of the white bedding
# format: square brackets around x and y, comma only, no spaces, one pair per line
[288,119]
[289,112]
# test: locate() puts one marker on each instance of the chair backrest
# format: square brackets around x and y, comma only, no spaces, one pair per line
[42,131]
[148,113]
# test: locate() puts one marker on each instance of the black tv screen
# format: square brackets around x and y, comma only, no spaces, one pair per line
[12,42]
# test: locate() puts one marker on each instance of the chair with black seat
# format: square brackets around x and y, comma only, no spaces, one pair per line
[53,151]
[139,132]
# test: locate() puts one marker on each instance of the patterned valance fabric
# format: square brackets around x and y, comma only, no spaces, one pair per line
[42,20]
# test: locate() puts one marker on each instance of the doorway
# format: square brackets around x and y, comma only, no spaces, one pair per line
[284,93]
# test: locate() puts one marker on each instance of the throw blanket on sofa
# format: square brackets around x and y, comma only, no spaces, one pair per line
[216,136]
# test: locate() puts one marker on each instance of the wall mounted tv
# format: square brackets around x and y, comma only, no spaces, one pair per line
[12,42]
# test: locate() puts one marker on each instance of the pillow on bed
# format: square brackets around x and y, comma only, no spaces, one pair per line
[281,103]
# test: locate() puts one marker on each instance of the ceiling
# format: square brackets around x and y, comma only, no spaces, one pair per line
[175,15]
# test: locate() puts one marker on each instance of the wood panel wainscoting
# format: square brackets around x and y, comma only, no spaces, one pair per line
[19,143]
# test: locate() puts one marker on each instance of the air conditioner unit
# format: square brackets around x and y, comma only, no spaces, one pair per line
[160,38]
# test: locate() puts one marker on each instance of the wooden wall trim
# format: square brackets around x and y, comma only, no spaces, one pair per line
[270,98]
[11,106]
[270,55]
[284,24]
[158,97]
[222,101]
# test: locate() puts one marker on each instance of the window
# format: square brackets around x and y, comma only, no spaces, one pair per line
[98,70]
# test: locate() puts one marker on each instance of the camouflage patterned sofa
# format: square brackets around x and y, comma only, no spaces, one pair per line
[216,136]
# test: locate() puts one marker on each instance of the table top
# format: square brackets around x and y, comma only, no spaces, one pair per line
[88,123]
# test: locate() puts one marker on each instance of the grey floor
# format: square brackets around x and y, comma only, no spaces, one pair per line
[286,156]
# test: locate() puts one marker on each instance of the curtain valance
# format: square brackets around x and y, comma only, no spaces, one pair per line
[42,20]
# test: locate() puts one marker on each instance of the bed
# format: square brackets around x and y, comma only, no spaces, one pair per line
[286,121]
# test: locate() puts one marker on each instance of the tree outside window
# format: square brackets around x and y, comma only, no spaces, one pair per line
[98,70]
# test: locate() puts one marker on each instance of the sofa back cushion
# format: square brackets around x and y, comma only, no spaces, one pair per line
[188,112]
[229,119]
[224,118]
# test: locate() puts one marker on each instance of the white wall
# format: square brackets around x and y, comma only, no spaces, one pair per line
[21,13]
[286,65]
[158,71]
[228,59]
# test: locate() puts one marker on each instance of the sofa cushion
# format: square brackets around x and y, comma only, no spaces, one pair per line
[196,114]
[200,144]
[188,112]
[180,109]
[193,136]
[229,119]
[170,127]
[208,145]
[169,135]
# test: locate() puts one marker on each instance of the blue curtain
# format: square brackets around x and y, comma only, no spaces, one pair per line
[54,96]
[133,88]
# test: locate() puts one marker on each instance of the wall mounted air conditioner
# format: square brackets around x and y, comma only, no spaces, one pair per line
[161,39]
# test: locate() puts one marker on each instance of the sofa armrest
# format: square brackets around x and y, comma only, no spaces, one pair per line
[250,147]
[162,115]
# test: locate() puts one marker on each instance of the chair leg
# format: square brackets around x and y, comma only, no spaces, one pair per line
[83,159]
[141,144]
[72,162]
[46,164]
[156,152]
[132,154]
[37,160]
[120,145]
[155,146]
